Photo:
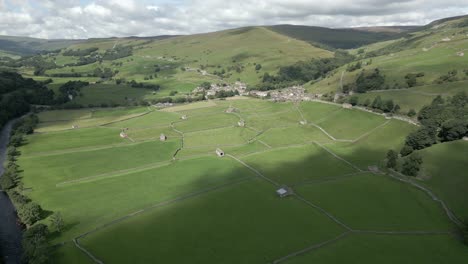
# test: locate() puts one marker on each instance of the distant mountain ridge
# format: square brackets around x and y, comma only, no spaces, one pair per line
[329,38]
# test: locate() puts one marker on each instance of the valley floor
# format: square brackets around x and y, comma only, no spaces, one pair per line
[139,199]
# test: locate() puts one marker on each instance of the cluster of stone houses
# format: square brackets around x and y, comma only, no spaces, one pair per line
[240,87]
[294,93]
[163,105]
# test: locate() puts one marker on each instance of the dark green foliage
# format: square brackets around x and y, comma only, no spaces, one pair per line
[205,85]
[451,76]
[18,198]
[422,138]
[118,52]
[442,120]
[57,222]
[18,93]
[453,129]
[377,103]
[66,75]
[366,82]
[392,157]
[354,67]
[353,100]
[412,165]
[367,102]
[406,150]
[83,61]
[172,93]
[225,94]
[35,246]
[7,183]
[79,52]
[16,140]
[303,72]
[150,86]
[411,78]
[37,62]
[438,100]
[397,108]
[26,125]
[388,106]
[71,88]
[103,73]
[459,100]
[258,67]
[411,112]
[30,213]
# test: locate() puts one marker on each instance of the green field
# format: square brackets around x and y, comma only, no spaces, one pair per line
[182,63]
[445,167]
[388,249]
[177,202]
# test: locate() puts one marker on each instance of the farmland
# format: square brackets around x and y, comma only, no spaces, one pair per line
[177,201]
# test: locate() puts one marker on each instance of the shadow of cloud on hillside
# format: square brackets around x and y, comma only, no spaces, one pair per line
[209,184]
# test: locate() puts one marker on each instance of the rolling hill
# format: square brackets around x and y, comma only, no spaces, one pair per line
[345,38]
[431,52]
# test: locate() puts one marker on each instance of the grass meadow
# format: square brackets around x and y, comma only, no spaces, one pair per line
[140,199]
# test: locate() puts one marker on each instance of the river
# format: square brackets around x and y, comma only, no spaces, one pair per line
[10,232]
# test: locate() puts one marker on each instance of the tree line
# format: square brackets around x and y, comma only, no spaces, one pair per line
[441,121]
[35,244]
[303,72]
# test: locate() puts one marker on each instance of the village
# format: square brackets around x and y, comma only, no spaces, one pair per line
[294,93]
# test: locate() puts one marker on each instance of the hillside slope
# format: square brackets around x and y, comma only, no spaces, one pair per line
[344,38]
[432,52]
[29,46]
[444,170]
[179,64]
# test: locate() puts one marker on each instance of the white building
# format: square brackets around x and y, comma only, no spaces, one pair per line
[284,191]
[219,152]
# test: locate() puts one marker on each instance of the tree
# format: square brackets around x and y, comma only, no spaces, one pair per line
[465,233]
[412,165]
[354,100]
[258,67]
[16,140]
[367,102]
[205,85]
[453,129]
[377,103]
[406,150]
[459,100]
[438,100]
[57,221]
[411,112]
[6,182]
[392,157]
[366,82]
[30,213]
[397,108]
[388,106]
[35,246]
[421,138]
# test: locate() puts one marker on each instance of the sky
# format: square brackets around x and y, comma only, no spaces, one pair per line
[77,19]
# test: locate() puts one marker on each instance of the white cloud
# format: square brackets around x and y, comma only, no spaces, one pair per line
[97,10]
[105,18]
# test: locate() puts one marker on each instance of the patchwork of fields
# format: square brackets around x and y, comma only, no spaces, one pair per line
[139,199]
